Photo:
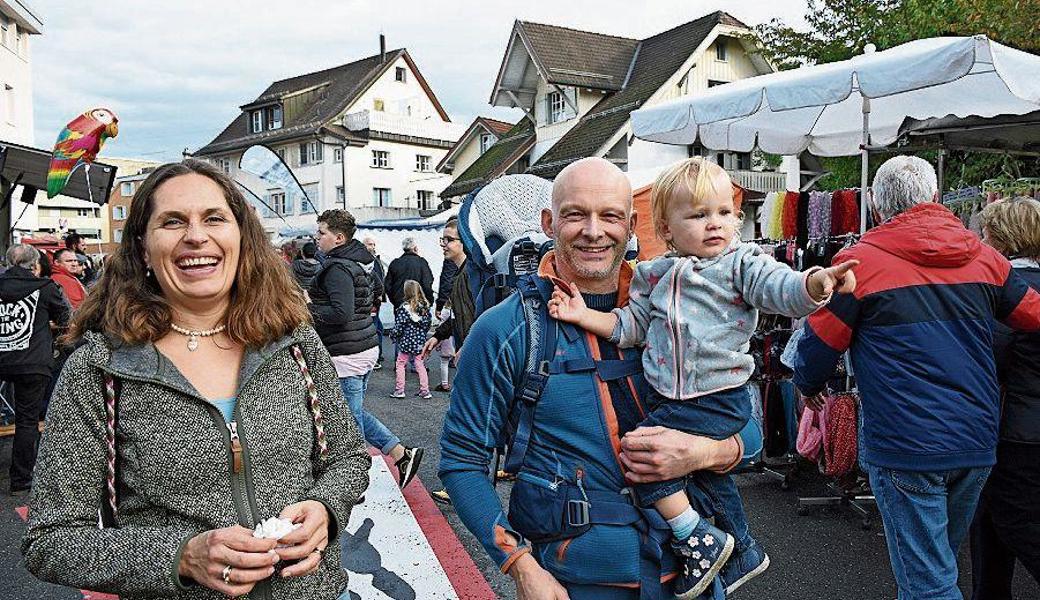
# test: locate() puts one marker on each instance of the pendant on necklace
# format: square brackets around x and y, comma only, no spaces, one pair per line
[193,343]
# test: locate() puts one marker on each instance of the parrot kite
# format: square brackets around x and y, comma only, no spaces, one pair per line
[78,144]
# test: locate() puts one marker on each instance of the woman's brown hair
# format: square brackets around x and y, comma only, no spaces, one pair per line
[128,305]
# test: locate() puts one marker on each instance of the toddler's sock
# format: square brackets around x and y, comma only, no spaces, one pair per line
[682,526]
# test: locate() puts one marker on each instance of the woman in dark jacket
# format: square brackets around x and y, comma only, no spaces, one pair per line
[1007,523]
[201,403]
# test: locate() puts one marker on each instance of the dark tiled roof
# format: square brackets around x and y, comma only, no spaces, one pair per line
[343,85]
[495,161]
[658,58]
[582,58]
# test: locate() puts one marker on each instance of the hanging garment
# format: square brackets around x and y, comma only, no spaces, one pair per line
[765,214]
[776,229]
[802,229]
[819,214]
[844,212]
[790,215]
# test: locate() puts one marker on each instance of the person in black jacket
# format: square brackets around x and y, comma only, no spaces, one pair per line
[305,266]
[408,266]
[341,294]
[379,273]
[1007,521]
[28,305]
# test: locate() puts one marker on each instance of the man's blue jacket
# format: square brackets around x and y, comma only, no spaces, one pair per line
[579,422]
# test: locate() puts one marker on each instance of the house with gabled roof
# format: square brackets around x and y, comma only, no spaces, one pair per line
[578,88]
[366,136]
[481,134]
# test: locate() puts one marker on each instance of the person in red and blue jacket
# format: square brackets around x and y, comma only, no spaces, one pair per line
[919,329]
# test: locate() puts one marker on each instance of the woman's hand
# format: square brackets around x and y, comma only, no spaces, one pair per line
[207,556]
[567,306]
[535,583]
[307,542]
[430,345]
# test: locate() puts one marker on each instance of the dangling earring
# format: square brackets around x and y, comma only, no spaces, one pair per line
[147,271]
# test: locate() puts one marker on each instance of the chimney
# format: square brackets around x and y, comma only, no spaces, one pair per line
[382,48]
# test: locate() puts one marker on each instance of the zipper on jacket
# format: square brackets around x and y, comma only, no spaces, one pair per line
[236,448]
[676,350]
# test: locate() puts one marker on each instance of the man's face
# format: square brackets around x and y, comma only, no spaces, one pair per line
[371,245]
[452,245]
[591,222]
[69,261]
[327,240]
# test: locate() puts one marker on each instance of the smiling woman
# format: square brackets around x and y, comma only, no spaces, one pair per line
[221,408]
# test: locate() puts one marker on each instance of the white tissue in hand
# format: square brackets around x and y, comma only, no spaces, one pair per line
[275,528]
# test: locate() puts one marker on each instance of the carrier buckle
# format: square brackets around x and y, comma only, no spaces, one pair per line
[577,513]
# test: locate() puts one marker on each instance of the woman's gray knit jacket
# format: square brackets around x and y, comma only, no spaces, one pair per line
[175,468]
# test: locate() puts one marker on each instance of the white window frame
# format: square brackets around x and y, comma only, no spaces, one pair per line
[281,153]
[378,196]
[401,74]
[422,163]
[273,117]
[341,195]
[304,152]
[424,199]
[721,50]
[84,213]
[117,236]
[487,140]
[257,121]
[126,189]
[315,151]
[118,213]
[555,108]
[337,155]
[225,165]
[279,203]
[381,159]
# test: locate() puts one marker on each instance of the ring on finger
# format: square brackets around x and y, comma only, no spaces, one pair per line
[226,574]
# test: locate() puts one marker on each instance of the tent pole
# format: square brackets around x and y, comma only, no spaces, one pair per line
[942,167]
[864,167]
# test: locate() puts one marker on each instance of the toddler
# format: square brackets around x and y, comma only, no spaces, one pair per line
[446,349]
[695,310]
[411,327]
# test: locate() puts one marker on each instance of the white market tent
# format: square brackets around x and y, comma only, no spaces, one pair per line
[848,107]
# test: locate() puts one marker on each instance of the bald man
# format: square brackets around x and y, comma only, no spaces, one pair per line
[572,531]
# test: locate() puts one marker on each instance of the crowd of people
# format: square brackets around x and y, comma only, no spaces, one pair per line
[208,381]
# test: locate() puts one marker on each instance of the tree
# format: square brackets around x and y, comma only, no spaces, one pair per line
[840,29]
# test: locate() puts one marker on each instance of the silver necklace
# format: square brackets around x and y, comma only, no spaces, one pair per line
[193,336]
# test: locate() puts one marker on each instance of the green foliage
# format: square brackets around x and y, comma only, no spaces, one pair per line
[840,29]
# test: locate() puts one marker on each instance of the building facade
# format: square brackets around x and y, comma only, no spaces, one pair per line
[366,136]
[62,214]
[18,24]
[578,88]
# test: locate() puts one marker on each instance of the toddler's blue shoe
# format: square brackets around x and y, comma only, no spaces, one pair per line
[744,566]
[702,556]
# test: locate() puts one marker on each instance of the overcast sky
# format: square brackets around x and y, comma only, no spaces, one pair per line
[175,73]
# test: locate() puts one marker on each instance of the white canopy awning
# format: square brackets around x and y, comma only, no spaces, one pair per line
[820,108]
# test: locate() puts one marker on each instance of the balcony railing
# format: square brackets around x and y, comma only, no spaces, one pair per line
[761,181]
[432,128]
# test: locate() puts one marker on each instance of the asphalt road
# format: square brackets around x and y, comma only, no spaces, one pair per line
[825,555]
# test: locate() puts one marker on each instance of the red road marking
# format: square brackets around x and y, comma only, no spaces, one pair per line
[465,577]
[23,512]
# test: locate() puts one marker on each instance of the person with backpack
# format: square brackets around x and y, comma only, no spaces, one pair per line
[341,303]
[572,401]
[411,324]
[695,311]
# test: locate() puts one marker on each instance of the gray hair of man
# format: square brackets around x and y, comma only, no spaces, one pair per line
[23,255]
[408,244]
[901,183]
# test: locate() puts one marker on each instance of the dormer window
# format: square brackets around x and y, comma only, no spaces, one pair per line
[556,107]
[401,74]
[258,121]
[720,50]
[274,117]
[486,141]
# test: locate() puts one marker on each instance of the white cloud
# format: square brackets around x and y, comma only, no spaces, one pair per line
[176,72]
